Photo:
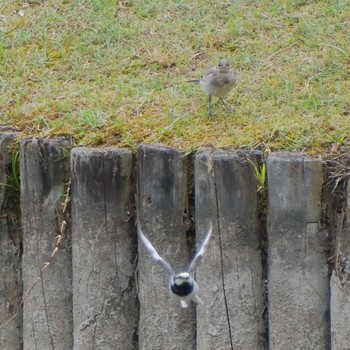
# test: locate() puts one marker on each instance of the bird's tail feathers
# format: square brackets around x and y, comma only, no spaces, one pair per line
[193,81]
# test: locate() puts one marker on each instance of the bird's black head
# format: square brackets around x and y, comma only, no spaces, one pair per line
[182,284]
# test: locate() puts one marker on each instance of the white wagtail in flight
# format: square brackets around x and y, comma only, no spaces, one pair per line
[217,81]
[181,284]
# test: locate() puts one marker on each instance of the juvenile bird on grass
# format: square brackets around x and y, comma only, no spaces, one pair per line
[181,284]
[217,81]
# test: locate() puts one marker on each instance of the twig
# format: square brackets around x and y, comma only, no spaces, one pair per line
[46,264]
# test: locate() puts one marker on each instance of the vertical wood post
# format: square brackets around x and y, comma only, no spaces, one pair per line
[47,311]
[340,280]
[230,276]
[163,213]
[10,255]
[104,246]
[298,288]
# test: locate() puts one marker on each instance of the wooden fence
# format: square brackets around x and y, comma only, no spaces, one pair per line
[275,276]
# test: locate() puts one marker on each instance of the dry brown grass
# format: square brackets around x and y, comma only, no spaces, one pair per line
[114,72]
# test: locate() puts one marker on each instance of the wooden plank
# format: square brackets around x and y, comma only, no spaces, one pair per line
[298,287]
[340,280]
[230,277]
[103,245]
[163,214]
[47,311]
[340,311]
[10,253]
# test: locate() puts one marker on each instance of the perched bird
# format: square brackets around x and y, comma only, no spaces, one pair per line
[181,284]
[217,81]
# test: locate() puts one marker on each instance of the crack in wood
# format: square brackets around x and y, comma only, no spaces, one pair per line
[222,259]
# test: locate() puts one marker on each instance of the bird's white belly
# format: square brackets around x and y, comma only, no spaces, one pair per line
[217,87]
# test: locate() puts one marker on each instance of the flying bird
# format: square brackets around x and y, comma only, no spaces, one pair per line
[217,81]
[182,284]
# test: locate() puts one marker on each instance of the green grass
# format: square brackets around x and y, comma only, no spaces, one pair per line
[114,72]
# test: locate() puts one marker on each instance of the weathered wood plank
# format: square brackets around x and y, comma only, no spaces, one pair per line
[47,311]
[298,273]
[104,247]
[10,255]
[163,214]
[230,277]
[340,311]
[340,280]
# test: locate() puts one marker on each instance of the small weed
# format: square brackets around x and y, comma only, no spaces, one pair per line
[260,174]
[13,179]
[192,150]
[65,153]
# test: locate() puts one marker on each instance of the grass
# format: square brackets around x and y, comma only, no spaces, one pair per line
[13,180]
[114,72]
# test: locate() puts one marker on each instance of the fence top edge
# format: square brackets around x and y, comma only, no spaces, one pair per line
[98,150]
[45,140]
[5,135]
[286,155]
[292,156]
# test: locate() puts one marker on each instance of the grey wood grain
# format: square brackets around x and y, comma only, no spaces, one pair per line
[104,248]
[10,252]
[163,213]
[298,273]
[231,272]
[47,311]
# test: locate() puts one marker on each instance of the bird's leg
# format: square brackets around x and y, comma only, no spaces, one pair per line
[209,106]
[183,304]
[197,300]
[226,105]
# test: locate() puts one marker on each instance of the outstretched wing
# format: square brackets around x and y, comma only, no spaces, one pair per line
[196,260]
[152,252]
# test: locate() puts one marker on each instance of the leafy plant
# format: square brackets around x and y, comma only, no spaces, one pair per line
[260,174]
[13,180]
